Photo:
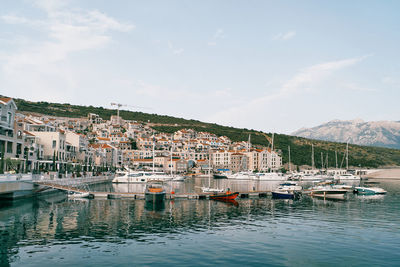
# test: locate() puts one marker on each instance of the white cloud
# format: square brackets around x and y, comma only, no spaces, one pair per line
[356,87]
[219,34]
[284,36]
[175,50]
[43,60]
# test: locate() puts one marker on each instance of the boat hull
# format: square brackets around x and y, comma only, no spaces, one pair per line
[220,176]
[154,197]
[228,196]
[369,191]
[332,194]
[282,195]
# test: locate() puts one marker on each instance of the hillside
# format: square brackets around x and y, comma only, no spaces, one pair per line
[365,156]
[373,133]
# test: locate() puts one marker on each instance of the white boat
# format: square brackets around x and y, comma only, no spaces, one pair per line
[271,176]
[242,176]
[349,188]
[178,178]
[73,194]
[328,192]
[346,176]
[142,177]
[209,189]
[288,186]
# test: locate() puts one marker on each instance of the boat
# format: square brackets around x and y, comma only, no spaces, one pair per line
[242,176]
[369,190]
[142,177]
[228,195]
[209,189]
[75,194]
[271,176]
[285,194]
[178,178]
[328,192]
[154,192]
[287,191]
[220,176]
[290,186]
[349,188]
[346,176]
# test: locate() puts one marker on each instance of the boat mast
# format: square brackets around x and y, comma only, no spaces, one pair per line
[312,156]
[322,160]
[336,158]
[154,145]
[171,155]
[347,156]
[209,168]
[290,169]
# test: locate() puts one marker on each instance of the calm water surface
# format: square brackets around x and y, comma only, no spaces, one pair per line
[52,230]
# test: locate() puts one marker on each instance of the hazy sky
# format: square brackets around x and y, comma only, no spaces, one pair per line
[265,65]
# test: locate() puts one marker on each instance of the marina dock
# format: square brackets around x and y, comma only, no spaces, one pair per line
[140,195]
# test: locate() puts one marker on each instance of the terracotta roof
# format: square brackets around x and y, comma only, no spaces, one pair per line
[5,99]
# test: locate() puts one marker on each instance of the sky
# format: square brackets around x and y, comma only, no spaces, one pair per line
[275,66]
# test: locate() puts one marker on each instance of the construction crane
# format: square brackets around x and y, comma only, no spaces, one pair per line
[123,105]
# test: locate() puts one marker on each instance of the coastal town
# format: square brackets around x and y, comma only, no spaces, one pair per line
[72,147]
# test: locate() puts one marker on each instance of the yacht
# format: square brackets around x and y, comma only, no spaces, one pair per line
[142,177]
[271,176]
[242,176]
[346,176]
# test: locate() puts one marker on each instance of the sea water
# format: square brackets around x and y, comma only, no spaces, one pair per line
[55,231]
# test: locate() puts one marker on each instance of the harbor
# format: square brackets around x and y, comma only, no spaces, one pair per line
[48,229]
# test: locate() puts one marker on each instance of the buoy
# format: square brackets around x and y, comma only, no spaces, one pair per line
[172,192]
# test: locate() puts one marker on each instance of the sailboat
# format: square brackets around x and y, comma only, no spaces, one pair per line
[209,189]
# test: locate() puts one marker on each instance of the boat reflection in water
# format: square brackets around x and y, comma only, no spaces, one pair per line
[155,205]
[229,202]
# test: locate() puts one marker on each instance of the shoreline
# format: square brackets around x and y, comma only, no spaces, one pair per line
[390,174]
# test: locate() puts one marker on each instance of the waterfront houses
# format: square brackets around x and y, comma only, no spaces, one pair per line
[40,143]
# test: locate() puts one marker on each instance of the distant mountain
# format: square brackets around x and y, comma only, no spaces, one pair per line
[373,133]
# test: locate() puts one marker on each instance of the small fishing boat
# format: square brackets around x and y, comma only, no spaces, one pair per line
[287,190]
[211,190]
[290,186]
[369,190]
[328,192]
[228,195]
[178,178]
[348,188]
[154,192]
[75,194]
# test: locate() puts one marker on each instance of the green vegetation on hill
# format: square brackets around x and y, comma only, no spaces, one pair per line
[300,147]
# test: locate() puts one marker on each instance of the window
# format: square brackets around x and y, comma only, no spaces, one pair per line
[54,143]
[9,147]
